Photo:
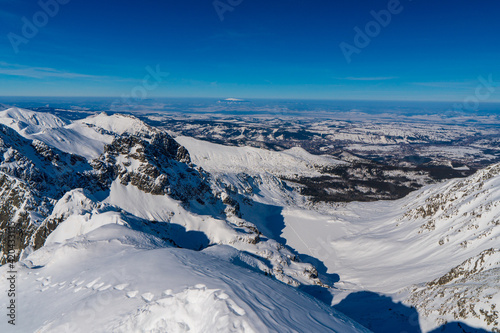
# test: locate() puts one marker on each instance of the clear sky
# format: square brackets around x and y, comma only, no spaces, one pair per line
[430,49]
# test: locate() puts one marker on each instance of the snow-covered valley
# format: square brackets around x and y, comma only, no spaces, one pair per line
[121,227]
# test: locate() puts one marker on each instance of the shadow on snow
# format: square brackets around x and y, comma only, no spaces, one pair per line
[381,315]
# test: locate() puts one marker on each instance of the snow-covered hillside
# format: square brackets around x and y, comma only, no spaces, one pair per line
[220,159]
[115,279]
[129,210]
[86,137]
[395,248]
[122,228]
[28,122]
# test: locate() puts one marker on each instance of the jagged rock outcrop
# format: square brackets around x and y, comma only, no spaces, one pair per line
[156,165]
[21,211]
[469,292]
[44,168]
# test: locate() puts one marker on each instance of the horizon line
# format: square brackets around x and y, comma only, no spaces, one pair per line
[261,98]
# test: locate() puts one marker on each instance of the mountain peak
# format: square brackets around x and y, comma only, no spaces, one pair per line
[28,121]
[119,124]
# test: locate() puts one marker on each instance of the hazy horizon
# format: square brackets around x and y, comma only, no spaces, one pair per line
[347,50]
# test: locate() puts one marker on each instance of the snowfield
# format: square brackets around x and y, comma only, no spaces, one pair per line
[85,137]
[391,248]
[221,159]
[144,233]
[115,279]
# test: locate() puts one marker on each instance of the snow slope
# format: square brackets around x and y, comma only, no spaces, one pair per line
[386,247]
[86,137]
[196,231]
[28,122]
[395,248]
[115,279]
[111,264]
[223,159]
[447,222]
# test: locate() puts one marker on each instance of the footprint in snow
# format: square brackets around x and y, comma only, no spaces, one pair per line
[90,284]
[148,297]
[121,286]
[97,285]
[235,308]
[132,294]
[79,283]
[222,296]
[106,287]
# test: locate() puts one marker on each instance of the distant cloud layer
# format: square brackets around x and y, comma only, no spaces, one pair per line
[376,78]
[42,72]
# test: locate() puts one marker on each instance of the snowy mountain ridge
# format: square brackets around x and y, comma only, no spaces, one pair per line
[392,247]
[192,225]
[143,182]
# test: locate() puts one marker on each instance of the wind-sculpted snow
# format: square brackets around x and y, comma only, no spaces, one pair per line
[115,279]
[78,213]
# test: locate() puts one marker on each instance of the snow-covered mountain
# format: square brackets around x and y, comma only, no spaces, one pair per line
[141,192]
[116,279]
[433,250]
[123,228]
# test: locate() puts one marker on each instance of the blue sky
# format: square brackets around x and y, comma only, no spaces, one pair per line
[430,50]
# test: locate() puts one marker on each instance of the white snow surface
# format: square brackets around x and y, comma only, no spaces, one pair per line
[384,247]
[29,122]
[217,158]
[86,137]
[114,279]
[96,274]
[387,245]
